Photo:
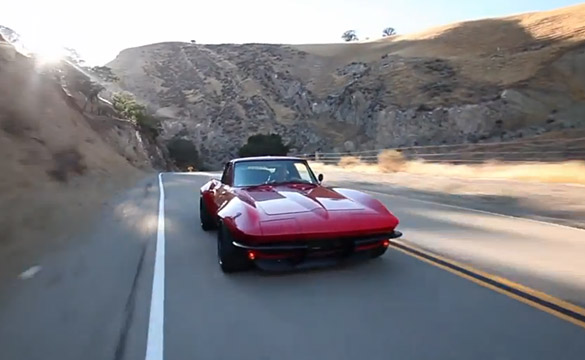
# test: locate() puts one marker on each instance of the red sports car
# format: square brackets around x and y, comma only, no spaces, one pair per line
[273,210]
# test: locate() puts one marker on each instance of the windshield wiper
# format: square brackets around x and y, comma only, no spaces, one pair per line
[255,186]
[290,182]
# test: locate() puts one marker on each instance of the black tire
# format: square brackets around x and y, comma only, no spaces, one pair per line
[377,252]
[231,258]
[207,222]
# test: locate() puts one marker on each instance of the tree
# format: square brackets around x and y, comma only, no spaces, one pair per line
[127,106]
[73,56]
[349,35]
[91,91]
[104,73]
[183,153]
[389,31]
[130,109]
[264,145]
[193,41]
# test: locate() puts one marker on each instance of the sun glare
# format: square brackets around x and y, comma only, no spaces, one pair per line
[45,50]
[49,58]
[49,55]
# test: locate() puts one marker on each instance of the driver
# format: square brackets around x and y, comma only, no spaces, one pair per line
[280,174]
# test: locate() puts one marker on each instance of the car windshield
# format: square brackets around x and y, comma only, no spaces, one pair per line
[259,172]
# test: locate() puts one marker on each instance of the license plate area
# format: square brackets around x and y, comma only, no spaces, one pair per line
[329,248]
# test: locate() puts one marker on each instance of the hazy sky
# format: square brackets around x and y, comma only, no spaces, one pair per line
[100,29]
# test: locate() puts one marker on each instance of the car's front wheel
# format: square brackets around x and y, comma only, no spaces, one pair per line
[231,258]
[207,222]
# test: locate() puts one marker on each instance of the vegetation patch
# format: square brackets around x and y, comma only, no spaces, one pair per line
[391,161]
[183,153]
[13,124]
[67,162]
[130,109]
[349,161]
[264,145]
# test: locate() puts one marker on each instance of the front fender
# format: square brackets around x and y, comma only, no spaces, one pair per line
[364,199]
[240,218]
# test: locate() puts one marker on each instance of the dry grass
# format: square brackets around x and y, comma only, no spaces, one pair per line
[391,161]
[495,52]
[349,161]
[568,172]
[563,172]
[465,39]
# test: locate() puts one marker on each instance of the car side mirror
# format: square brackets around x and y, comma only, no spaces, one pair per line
[320,178]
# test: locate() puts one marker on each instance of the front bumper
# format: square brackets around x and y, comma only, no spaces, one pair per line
[300,251]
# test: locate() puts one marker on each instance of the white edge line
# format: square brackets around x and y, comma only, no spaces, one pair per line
[476,210]
[155,337]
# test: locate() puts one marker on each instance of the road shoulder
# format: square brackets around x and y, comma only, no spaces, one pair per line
[89,299]
[562,204]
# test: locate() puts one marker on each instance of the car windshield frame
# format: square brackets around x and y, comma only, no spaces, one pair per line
[284,162]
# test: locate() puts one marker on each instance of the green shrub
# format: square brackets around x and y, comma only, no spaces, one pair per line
[263,145]
[130,109]
[183,153]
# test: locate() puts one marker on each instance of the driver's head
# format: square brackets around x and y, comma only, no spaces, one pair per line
[280,174]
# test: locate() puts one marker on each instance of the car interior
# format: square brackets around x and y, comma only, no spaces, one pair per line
[252,174]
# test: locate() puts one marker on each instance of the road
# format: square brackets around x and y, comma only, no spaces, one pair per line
[92,300]
[541,255]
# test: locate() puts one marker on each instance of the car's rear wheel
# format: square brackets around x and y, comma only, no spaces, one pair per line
[207,222]
[231,258]
[377,252]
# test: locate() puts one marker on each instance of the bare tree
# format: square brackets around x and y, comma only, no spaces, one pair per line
[73,56]
[389,31]
[349,35]
[91,91]
[104,73]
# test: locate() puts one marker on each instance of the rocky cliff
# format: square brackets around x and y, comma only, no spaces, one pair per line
[476,81]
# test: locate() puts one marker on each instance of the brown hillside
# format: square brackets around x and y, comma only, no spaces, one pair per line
[486,80]
[499,51]
[56,169]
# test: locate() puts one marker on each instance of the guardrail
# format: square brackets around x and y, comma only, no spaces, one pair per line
[535,150]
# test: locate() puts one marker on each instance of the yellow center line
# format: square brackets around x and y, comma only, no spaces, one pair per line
[435,260]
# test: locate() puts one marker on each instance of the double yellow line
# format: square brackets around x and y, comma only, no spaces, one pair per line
[534,298]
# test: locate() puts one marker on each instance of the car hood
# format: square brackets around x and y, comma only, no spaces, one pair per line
[296,198]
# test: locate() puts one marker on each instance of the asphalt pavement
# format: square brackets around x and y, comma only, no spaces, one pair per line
[92,300]
[544,256]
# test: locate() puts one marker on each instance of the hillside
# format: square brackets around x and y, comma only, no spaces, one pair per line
[486,80]
[59,163]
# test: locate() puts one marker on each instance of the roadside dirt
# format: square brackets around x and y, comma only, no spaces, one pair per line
[558,203]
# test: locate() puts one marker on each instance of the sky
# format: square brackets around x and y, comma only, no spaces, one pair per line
[99,30]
